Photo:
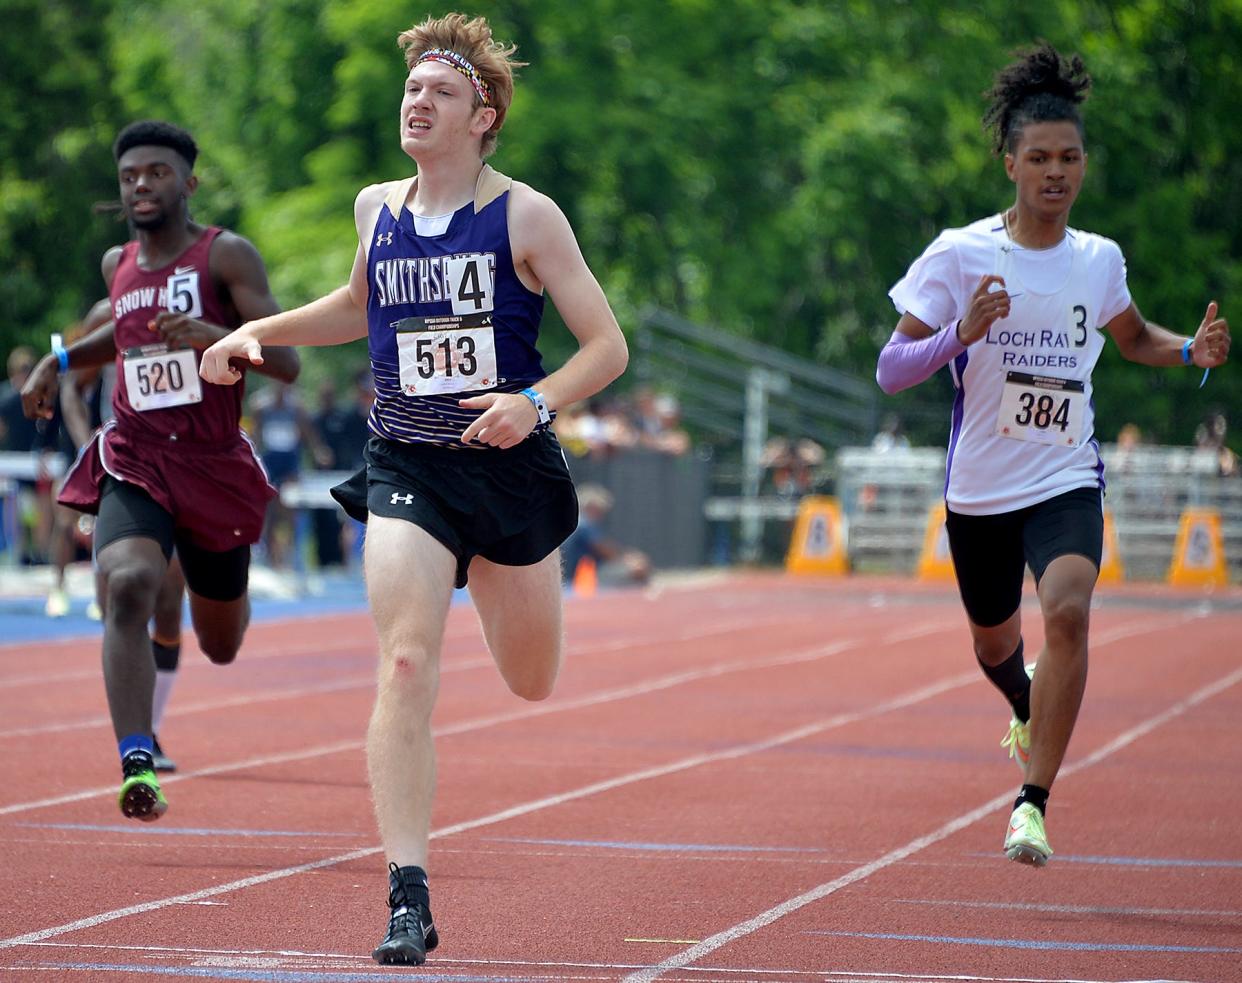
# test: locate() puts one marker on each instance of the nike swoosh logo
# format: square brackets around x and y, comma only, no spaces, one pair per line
[183,269]
[1014,829]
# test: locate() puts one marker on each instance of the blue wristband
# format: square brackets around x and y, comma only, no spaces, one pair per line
[61,352]
[1188,358]
[541,406]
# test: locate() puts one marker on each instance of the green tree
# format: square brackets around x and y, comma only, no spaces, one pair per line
[56,111]
[769,167]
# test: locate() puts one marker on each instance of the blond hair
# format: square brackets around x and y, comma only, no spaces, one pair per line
[472,39]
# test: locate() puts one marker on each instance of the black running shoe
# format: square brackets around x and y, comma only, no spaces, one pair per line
[162,761]
[411,934]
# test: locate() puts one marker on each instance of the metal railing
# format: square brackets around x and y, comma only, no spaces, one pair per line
[885,497]
[738,394]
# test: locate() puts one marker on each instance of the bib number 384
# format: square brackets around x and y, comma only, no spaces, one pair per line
[156,378]
[1041,409]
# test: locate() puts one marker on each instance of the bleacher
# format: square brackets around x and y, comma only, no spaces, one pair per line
[1149,487]
[885,496]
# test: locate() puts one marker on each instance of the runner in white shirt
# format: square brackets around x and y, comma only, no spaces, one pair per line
[1017,305]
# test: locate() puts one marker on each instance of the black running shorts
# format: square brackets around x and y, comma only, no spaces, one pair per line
[990,552]
[125,510]
[512,507]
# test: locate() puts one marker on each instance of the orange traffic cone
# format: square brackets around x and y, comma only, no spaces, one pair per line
[585,580]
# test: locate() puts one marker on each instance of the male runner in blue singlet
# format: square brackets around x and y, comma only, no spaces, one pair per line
[464,478]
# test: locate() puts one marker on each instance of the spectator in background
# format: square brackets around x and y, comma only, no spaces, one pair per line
[282,430]
[615,565]
[571,427]
[1210,435]
[596,428]
[790,465]
[643,414]
[17,433]
[1129,439]
[669,438]
[80,398]
[891,436]
[615,429]
[342,430]
[657,422]
[342,433]
[22,435]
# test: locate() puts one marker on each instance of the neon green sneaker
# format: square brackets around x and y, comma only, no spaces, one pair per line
[1018,740]
[140,796]
[1026,842]
[57,603]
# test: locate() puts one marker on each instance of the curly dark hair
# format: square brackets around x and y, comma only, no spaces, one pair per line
[1042,86]
[155,133]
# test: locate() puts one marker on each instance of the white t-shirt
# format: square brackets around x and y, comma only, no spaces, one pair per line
[1023,424]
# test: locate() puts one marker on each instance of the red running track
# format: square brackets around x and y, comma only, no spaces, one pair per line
[746,778]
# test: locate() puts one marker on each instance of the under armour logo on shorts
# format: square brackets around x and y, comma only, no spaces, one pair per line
[402,499]
[384,239]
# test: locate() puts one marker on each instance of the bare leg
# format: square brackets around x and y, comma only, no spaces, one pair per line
[520,610]
[409,584]
[1058,687]
[996,644]
[166,626]
[219,625]
[131,571]
[63,546]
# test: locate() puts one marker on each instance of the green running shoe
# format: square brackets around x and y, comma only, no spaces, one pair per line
[1018,740]
[140,796]
[1026,842]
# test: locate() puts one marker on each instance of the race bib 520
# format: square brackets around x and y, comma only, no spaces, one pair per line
[156,377]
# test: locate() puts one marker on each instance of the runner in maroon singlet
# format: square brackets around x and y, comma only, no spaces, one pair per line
[173,468]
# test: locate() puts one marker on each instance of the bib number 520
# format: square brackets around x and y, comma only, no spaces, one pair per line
[156,378]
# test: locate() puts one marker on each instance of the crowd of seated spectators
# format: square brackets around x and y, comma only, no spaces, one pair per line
[608,424]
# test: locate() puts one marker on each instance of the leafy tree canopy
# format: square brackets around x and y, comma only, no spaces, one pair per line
[769,167]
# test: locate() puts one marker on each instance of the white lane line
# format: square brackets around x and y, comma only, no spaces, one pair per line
[538,710]
[519,810]
[316,959]
[193,896]
[522,809]
[1072,909]
[204,706]
[751,925]
[357,682]
[73,641]
[264,653]
[524,712]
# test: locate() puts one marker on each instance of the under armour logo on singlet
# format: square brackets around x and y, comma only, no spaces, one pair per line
[398,498]
[384,239]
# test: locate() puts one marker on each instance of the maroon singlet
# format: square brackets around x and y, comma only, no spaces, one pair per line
[193,459]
